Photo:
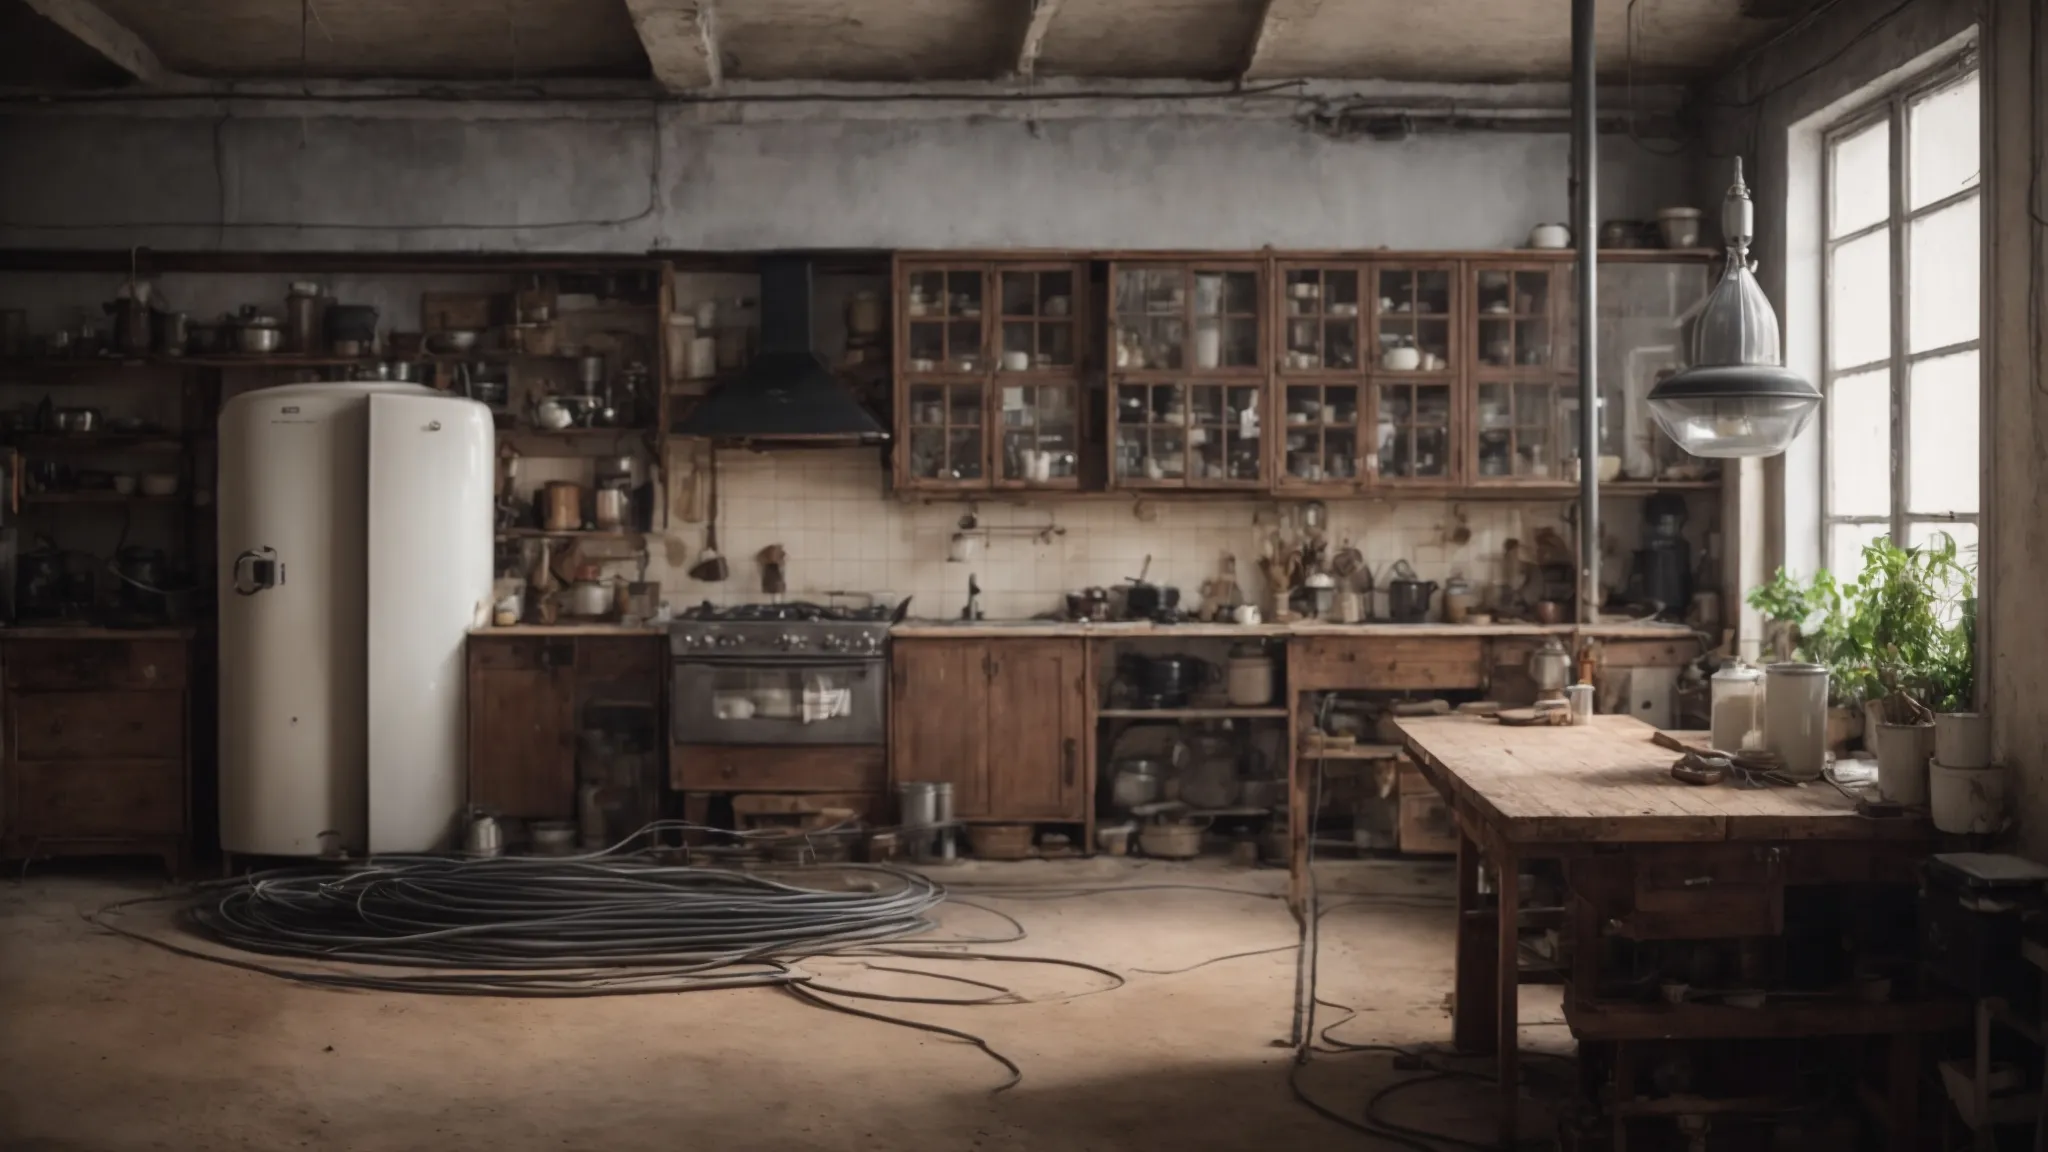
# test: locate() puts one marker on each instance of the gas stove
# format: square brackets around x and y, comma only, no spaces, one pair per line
[783,631]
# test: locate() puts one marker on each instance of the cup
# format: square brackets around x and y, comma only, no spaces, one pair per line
[1246,614]
[1016,361]
[1581,698]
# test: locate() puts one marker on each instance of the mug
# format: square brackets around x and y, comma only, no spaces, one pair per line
[1246,614]
[1016,361]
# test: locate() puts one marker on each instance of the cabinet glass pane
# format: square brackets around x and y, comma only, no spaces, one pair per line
[1414,431]
[1860,303]
[1496,424]
[1858,412]
[927,294]
[1020,294]
[1322,320]
[1942,252]
[1151,317]
[963,452]
[1037,321]
[1859,179]
[927,452]
[1038,432]
[1536,448]
[1943,435]
[928,404]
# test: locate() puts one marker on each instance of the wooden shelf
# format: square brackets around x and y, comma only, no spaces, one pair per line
[1191,713]
[1355,752]
[107,497]
[575,533]
[55,442]
[1801,1017]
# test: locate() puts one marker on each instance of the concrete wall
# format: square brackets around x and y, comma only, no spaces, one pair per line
[2014,533]
[626,177]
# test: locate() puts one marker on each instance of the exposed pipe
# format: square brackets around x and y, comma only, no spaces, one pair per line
[1585,228]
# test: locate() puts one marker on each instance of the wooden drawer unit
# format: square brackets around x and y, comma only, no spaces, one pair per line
[101,798]
[827,768]
[98,726]
[64,665]
[1369,662]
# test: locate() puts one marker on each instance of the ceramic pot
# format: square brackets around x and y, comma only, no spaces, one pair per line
[1967,800]
[1962,739]
[1902,754]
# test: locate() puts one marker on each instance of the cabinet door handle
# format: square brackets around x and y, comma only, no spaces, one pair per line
[1073,757]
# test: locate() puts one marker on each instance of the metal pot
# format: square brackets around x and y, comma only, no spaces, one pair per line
[1408,600]
[259,335]
[1136,782]
[1146,600]
[1177,840]
[609,508]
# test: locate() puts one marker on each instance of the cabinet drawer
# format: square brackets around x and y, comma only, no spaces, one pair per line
[65,665]
[90,798]
[621,657]
[524,654]
[828,768]
[1426,825]
[99,726]
[1382,662]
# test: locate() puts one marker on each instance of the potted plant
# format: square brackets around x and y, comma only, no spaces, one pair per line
[1914,622]
[1809,622]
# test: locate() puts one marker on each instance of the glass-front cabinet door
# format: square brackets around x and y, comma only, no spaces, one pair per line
[1321,316]
[1413,318]
[1413,440]
[1319,431]
[1515,318]
[1187,434]
[1038,423]
[1039,318]
[1645,312]
[1185,318]
[944,326]
[1527,431]
[946,447]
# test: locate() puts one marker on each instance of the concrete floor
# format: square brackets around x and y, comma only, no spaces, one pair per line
[109,1044]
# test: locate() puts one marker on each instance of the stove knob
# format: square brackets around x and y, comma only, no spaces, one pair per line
[833,643]
[728,641]
[791,640]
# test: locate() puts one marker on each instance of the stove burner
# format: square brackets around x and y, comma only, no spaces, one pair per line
[793,611]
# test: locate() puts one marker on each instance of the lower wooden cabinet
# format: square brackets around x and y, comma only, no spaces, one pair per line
[531,696]
[1006,722]
[97,759]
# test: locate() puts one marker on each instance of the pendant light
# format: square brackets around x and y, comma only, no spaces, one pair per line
[1738,398]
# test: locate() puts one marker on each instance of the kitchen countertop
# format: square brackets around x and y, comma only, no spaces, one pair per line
[572,630]
[961,629]
[92,632]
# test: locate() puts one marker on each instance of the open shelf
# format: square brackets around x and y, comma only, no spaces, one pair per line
[576,533]
[106,497]
[1191,713]
[1355,752]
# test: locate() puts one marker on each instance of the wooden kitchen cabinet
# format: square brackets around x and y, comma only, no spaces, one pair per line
[97,753]
[988,369]
[1004,721]
[530,696]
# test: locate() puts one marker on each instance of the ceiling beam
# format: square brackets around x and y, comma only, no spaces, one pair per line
[681,39]
[104,35]
[1035,27]
[1274,15]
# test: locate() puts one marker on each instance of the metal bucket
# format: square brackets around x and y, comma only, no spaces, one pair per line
[917,809]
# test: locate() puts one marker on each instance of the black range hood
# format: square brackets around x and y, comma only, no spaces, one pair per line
[787,394]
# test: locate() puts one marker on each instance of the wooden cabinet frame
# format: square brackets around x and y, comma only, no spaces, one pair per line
[1255,375]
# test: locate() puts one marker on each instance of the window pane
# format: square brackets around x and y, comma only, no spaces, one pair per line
[1920,532]
[1860,315]
[1942,435]
[1942,137]
[1860,179]
[1859,418]
[1845,548]
[1942,278]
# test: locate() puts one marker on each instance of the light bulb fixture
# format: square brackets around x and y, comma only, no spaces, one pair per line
[1738,398]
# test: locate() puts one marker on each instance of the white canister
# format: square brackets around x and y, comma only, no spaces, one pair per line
[1208,344]
[1796,718]
[1736,708]
[1250,680]
[703,357]
[1962,739]
[1968,800]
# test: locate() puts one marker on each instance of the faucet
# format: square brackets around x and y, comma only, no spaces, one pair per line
[973,609]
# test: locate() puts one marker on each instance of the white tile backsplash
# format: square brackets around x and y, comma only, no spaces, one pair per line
[843,531]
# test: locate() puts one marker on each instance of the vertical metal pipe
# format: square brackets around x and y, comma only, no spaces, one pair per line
[1585,229]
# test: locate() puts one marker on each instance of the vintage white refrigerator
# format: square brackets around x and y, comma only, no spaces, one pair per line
[355,554]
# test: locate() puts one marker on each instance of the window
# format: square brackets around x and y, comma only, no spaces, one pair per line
[1903,321]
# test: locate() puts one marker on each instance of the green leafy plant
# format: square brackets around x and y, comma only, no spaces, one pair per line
[1811,622]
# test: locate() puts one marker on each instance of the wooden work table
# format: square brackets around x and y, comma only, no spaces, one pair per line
[1648,858]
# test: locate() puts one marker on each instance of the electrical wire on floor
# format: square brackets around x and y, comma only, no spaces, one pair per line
[1304,1036]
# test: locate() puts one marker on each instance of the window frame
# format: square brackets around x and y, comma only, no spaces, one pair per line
[1893,108]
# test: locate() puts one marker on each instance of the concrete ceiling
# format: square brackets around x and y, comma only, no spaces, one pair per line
[695,45]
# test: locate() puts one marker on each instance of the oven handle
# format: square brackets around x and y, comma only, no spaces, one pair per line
[782,663]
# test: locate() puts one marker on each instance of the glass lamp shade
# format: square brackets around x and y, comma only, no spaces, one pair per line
[1738,398]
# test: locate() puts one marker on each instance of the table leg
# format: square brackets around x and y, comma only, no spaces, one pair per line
[1473,1012]
[1507,895]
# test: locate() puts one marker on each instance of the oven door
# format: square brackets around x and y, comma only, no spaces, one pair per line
[804,701]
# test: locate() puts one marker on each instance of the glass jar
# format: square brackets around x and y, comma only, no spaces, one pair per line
[1736,707]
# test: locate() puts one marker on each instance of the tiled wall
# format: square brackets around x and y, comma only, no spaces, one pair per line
[842,530]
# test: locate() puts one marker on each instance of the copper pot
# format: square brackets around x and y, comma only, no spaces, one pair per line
[562,506]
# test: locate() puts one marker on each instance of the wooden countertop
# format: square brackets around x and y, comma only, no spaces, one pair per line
[92,632]
[517,630]
[1606,782]
[1023,629]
